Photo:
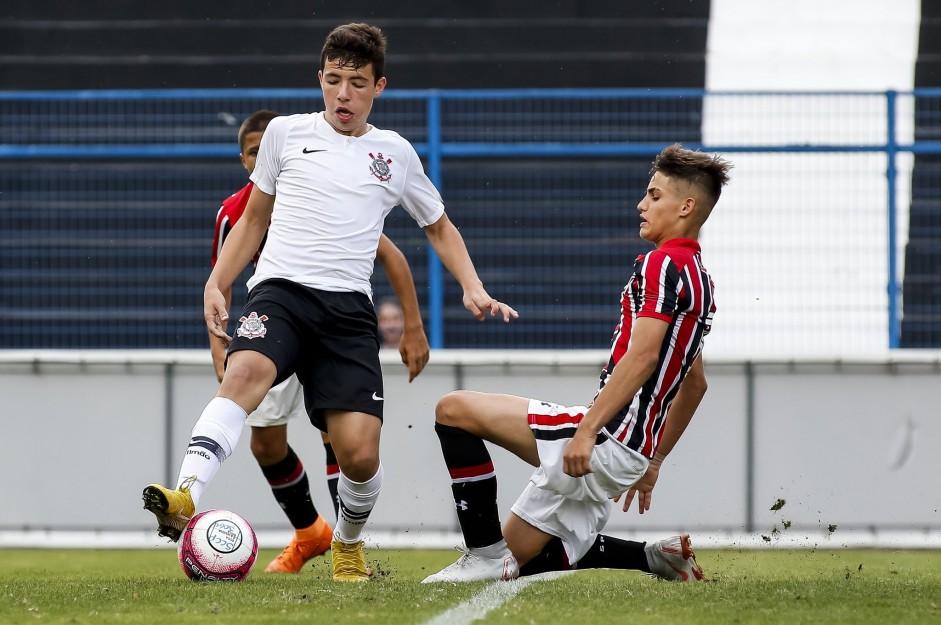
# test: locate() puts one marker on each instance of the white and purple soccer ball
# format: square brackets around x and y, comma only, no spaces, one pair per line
[217,546]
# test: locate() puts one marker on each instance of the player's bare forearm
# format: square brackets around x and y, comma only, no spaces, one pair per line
[237,251]
[243,241]
[400,277]
[413,347]
[683,408]
[217,346]
[449,245]
[681,412]
[631,372]
[217,349]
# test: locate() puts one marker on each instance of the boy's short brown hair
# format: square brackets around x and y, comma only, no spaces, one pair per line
[356,46]
[256,122]
[710,173]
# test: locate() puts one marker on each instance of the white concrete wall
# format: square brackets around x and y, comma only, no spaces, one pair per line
[798,243]
[844,444]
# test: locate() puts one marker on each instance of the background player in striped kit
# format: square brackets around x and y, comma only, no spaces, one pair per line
[280,465]
[586,456]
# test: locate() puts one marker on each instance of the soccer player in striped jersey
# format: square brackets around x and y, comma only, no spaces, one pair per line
[278,461]
[587,456]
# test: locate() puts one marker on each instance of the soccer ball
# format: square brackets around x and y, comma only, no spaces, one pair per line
[217,546]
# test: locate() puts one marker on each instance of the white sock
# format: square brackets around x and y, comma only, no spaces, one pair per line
[493,552]
[357,500]
[215,435]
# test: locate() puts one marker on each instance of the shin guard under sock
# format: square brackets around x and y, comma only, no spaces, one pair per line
[473,484]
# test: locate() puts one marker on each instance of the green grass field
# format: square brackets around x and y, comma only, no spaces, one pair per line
[858,587]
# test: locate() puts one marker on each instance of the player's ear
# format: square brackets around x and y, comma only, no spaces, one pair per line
[688,206]
[380,86]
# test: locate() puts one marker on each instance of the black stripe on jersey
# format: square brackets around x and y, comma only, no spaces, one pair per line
[636,285]
[669,298]
[224,229]
[685,283]
[639,430]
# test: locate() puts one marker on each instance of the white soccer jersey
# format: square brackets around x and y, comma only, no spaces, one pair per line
[332,194]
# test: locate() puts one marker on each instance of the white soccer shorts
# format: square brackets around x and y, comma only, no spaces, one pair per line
[282,403]
[576,509]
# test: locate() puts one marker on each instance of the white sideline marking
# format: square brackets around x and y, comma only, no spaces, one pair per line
[41,538]
[488,599]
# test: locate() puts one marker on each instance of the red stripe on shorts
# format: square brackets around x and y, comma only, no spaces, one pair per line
[551,421]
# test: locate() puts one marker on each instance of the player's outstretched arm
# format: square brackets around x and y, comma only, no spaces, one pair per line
[216,346]
[683,408]
[642,489]
[449,244]
[631,372]
[681,412]
[239,248]
[413,347]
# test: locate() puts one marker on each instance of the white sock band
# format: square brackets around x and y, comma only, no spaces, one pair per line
[357,500]
[215,435]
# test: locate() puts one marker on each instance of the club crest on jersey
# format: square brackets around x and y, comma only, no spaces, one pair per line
[252,326]
[380,167]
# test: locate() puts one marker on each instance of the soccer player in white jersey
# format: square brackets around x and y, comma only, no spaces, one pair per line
[587,455]
[281,466]
[325,182]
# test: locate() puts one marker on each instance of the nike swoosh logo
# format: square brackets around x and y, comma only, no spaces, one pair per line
[306,151]
[377,398]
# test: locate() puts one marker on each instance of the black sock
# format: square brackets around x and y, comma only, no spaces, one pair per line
[551,558]
[613,553]
[333,476]
[288,482]
[474,485]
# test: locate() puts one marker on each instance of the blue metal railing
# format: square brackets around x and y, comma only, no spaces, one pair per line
[436,148]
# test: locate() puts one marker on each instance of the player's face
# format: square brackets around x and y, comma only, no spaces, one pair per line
[660,209]
[348,95]
[250,152]
[391,325]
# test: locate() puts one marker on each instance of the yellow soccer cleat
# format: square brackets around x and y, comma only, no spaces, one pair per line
[173,508]
[307,543]
[349,563]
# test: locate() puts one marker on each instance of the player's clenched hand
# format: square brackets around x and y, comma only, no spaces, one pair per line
[576,458]
[478,302]
[413,348]
[215,314]
[642,489]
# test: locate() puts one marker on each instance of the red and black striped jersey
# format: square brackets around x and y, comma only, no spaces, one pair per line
[668,283]
[232,209]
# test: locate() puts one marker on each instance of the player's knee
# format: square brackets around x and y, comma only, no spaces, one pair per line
[359,464]
[452,408]
[267,452]
[245,384]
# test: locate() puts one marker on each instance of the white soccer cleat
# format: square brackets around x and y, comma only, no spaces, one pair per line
[472,567]
[673,559]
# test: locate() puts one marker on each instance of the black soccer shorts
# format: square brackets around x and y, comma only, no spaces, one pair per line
[329,338]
